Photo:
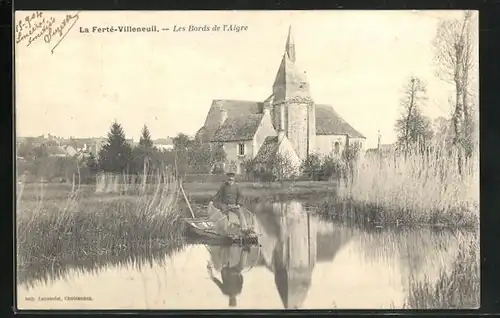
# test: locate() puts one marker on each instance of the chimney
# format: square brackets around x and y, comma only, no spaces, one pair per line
[223,116]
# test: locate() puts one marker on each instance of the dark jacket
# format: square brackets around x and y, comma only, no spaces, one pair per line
[228,194]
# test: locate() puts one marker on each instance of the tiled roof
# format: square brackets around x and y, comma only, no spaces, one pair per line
[328,122]
[70,150]
[238,128]
[56,150]
[268,149]
[290,81]
[233,108]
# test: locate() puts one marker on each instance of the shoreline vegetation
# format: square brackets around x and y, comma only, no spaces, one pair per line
[419,189]
[456,288]
[384,191]
[78,229]
[144,215]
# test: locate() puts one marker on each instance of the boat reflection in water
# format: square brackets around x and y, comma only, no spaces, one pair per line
[231,262]
[275,275]
[292,241]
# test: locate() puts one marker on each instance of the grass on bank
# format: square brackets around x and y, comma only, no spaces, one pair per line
[456,288]
[419,189]
[51,233]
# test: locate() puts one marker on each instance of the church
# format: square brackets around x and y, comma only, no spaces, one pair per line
[288,122]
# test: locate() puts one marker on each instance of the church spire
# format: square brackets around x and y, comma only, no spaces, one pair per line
[290,81]
[290,45]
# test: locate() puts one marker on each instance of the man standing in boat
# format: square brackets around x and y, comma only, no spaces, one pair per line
[227,199]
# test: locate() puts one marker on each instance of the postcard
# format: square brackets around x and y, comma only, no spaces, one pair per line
[247,159]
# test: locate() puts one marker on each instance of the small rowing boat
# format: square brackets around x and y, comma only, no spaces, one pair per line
[207,230]
[204,229]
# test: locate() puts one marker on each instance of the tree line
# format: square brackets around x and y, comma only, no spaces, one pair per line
[117,156]
[454,64]
[188,156]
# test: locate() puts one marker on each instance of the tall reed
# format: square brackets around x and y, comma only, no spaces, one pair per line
[457,288]
[419,187]
[52,232]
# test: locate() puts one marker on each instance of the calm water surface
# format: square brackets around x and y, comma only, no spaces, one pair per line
[303,262]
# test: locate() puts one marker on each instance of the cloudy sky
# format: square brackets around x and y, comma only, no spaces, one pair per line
[356,61]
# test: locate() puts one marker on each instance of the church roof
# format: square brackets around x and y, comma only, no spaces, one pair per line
[290,84]
[328,122]
[238,128]
[234,108]
[293,286]
[290,81]
[268,149]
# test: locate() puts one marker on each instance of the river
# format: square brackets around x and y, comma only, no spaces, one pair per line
[303,262]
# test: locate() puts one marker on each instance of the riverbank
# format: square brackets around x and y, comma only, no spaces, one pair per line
[372,205]
[252,191]
[457,288]
[418,189]
[193,189]
[52,231]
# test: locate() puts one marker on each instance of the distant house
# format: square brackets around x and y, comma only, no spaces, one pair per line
[131,142]
[289,113]
[86,145]
[57,151]
[70,150]
[164,144]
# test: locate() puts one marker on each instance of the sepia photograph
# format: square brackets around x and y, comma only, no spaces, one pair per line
[192,160]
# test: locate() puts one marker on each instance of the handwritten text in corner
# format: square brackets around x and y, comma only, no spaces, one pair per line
[38,26]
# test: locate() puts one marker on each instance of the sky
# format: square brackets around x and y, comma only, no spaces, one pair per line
[356,61]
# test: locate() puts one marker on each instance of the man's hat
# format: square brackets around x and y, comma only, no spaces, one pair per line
[230,174]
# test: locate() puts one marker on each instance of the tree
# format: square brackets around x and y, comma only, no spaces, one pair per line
[26,150]
[282,167]
[412,126]
[92,164]
[454,56]
[115,156]
[311,167]
[249,165]
[145,140]
[204,156]
[199,157]
[40,151]
[218,154]
[182,143]
[144,154]
[443,131]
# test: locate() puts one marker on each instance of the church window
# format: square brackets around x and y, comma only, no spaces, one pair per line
[241,149]
[336,147]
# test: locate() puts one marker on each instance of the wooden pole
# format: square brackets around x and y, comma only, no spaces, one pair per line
[185,198]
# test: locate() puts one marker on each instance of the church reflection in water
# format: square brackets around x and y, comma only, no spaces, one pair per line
[292,242]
